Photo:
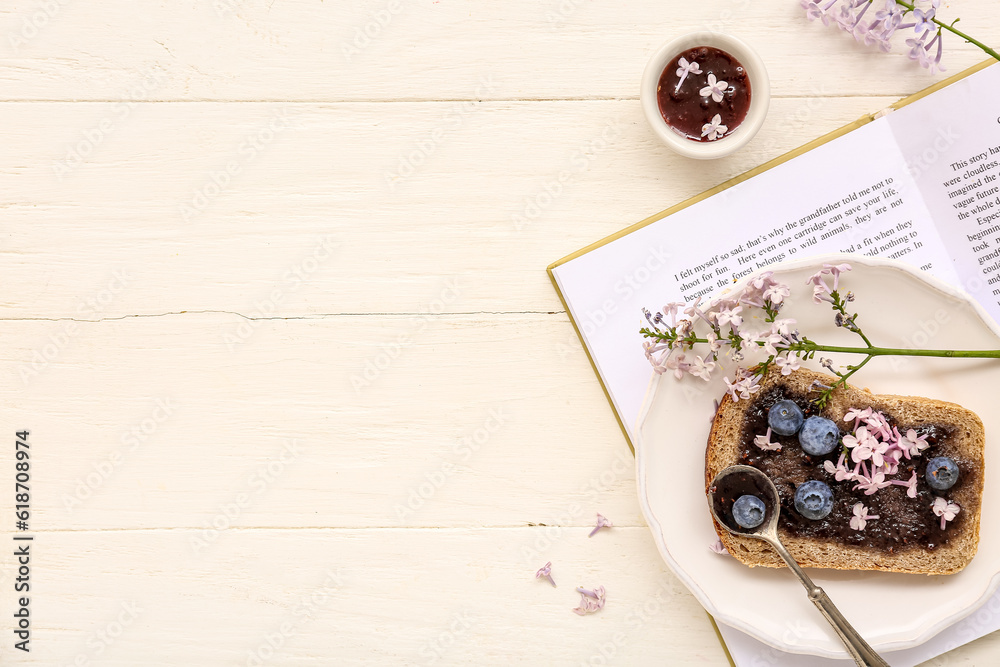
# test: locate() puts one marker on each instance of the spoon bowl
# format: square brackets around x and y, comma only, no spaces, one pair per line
[736,481]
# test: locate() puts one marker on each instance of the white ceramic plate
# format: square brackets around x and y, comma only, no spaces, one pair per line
[898,307]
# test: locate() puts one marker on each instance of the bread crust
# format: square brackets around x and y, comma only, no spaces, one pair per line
[723,450]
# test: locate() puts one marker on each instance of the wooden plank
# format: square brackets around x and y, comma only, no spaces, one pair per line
[413,596]
[300,597]
[348,208]
[203,421]
[423,49]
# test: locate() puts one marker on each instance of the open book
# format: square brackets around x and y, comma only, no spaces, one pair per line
[920,184]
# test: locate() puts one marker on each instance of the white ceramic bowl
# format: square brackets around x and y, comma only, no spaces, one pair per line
[760,95]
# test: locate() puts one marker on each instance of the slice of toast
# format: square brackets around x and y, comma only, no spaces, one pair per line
[908,538]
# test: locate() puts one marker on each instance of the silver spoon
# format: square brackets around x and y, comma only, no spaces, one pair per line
[736,481]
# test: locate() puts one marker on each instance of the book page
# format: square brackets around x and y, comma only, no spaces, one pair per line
[951,143]
[853,194]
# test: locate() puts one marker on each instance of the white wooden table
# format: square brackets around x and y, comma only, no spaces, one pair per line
[274,309]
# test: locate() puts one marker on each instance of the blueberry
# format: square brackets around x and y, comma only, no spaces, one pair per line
[813,499]
[748,511]
[819,436]
[942,473]
[785,418]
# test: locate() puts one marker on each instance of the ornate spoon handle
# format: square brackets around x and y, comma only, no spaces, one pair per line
[859,649]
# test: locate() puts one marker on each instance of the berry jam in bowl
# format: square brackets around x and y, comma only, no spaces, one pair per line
[705,94]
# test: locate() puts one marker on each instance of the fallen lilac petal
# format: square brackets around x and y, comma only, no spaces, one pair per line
[719,548]
[590,601]
[601,523]
[546,572]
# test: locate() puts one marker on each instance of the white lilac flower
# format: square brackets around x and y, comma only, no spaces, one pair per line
[878,425]
[701,368]
[750,384]
[776,292]
[872,35]
[857,416]
[732,389]
[652,349]
[693,310]
[714,344]
[787,363]
[715,129]
[746,385]
[856,20]
[720,304]
[820,295]
[835,270]
[862,32]
[821,290]
[862,451]
[911,485]
[782,326]
[891,16]
[861,517]
[923,20]
[764,442]
[715,88]
[845,17]
[916,47]
[839,471]
[924,59]
[872,483]
[752,297]
[772,342]
[861,436]
[762,280]
[891,460]
[911,443]
[946,509]
[670,310]
[933,64]
[685,69]
[878,453]
[676,363]
[813,10]
[816,279]
[729,316]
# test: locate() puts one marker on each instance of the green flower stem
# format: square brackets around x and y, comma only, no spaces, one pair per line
[953,30]
[808,347]
[842,377]
[898,351]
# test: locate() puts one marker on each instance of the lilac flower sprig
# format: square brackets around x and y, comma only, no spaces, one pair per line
[877,27]
[673,335]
